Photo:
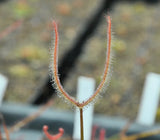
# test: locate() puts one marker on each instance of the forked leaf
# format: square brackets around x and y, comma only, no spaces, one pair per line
[53,137]
[54,69]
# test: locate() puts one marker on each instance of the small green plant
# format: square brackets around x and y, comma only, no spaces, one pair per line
[59,87]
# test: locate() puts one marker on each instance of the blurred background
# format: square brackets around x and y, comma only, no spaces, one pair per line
[26,34]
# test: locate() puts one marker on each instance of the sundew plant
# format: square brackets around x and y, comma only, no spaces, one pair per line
[55,76]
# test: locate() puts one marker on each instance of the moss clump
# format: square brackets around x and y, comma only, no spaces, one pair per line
[119,45]
[21,9]
[32,52]
[20,71]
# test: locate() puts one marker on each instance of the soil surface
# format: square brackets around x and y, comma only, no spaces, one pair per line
[25,36]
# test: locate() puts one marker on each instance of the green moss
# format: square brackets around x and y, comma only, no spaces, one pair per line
[20,71]
[139,7]
[32,52]
[119,45]
[21,9]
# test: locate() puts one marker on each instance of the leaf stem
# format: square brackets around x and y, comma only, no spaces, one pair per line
[81,123]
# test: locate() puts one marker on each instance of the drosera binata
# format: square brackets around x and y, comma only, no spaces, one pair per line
[52,137]
[56,80]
